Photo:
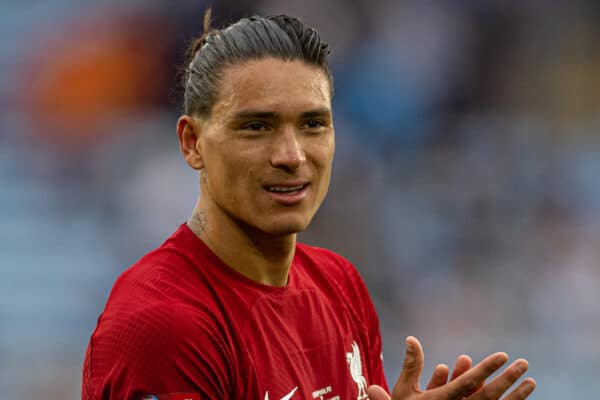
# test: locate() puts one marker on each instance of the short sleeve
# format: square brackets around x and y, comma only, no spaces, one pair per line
[157,349]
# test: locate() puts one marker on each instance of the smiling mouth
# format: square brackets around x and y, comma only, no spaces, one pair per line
[285,189]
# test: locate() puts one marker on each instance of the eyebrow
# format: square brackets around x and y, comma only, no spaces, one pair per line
[250,114]
[320,112]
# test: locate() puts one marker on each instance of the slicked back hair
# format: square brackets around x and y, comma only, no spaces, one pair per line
[252,38]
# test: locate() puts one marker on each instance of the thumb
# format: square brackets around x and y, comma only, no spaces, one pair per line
[376,392]
[408,382]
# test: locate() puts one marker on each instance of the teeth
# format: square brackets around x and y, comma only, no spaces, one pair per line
[284,188]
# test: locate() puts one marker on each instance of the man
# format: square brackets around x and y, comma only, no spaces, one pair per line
[230,306]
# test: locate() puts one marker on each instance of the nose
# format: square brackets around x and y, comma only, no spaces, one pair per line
[287,152]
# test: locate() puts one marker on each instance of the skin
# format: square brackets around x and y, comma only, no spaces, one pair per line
[466,382]
[288,137]
[271,125]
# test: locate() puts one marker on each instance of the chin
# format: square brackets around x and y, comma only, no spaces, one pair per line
[282,227]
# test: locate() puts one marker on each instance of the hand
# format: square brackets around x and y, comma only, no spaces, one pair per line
[440,372]
[466,382]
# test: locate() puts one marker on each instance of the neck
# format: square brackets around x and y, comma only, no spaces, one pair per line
[255,254]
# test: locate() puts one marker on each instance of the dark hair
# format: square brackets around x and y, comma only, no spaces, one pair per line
[252,38]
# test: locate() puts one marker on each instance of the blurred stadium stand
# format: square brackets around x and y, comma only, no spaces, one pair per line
[466,183]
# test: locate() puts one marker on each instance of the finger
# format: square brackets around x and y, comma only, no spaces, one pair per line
[376,392]
[408,381]
[470,380]
[502,382]
[523,390]
[461,365]
[439,377]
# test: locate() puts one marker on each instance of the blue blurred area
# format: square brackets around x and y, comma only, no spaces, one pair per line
[466,183]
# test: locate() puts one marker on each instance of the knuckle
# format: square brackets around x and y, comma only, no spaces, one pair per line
[454,395]
[466,386]
[487,394]
[410,364]
[490,369]
[469,384]
[514,375]
[521,394]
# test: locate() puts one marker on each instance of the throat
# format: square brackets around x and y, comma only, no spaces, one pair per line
[265,261]
[263,258]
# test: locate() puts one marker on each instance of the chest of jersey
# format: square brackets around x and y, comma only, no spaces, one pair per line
[301,345]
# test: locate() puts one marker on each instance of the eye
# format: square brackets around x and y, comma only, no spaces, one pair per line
[256,126]
[312,124]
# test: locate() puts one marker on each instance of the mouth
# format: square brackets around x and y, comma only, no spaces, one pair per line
[291,194]
[286,189]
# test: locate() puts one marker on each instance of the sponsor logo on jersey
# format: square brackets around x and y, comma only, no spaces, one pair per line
[286,397]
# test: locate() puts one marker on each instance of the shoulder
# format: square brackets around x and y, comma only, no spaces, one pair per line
[161,330]
[162,296]
[158,313]
[169,274]
[170,328]
[334,275]
[159,347]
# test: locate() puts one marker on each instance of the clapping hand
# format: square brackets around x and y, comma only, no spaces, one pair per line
[466,382]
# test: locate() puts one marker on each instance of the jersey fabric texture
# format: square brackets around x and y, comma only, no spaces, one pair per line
[181,321]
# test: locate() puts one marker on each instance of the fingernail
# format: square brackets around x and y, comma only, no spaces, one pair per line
[503,357]
[466,357]
[528,386]
[521,367]
[440,369]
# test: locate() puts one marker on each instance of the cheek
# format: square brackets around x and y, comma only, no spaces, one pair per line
[322,159]
[227,163]
[322,154]
[239,181]
[326,179]
[328,162]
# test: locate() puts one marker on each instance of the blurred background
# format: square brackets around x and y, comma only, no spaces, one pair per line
[466,184]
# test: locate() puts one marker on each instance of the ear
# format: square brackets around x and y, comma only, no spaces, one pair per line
[188,132]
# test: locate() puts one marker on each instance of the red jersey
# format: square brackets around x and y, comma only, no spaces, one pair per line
[180,324]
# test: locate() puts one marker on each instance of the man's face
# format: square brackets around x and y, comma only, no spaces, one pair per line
[268,145]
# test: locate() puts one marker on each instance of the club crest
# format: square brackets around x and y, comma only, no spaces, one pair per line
[355,365]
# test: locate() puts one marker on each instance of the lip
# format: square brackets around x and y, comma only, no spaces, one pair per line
[291,198]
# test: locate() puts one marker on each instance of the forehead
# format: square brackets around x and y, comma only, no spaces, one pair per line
[272,85]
